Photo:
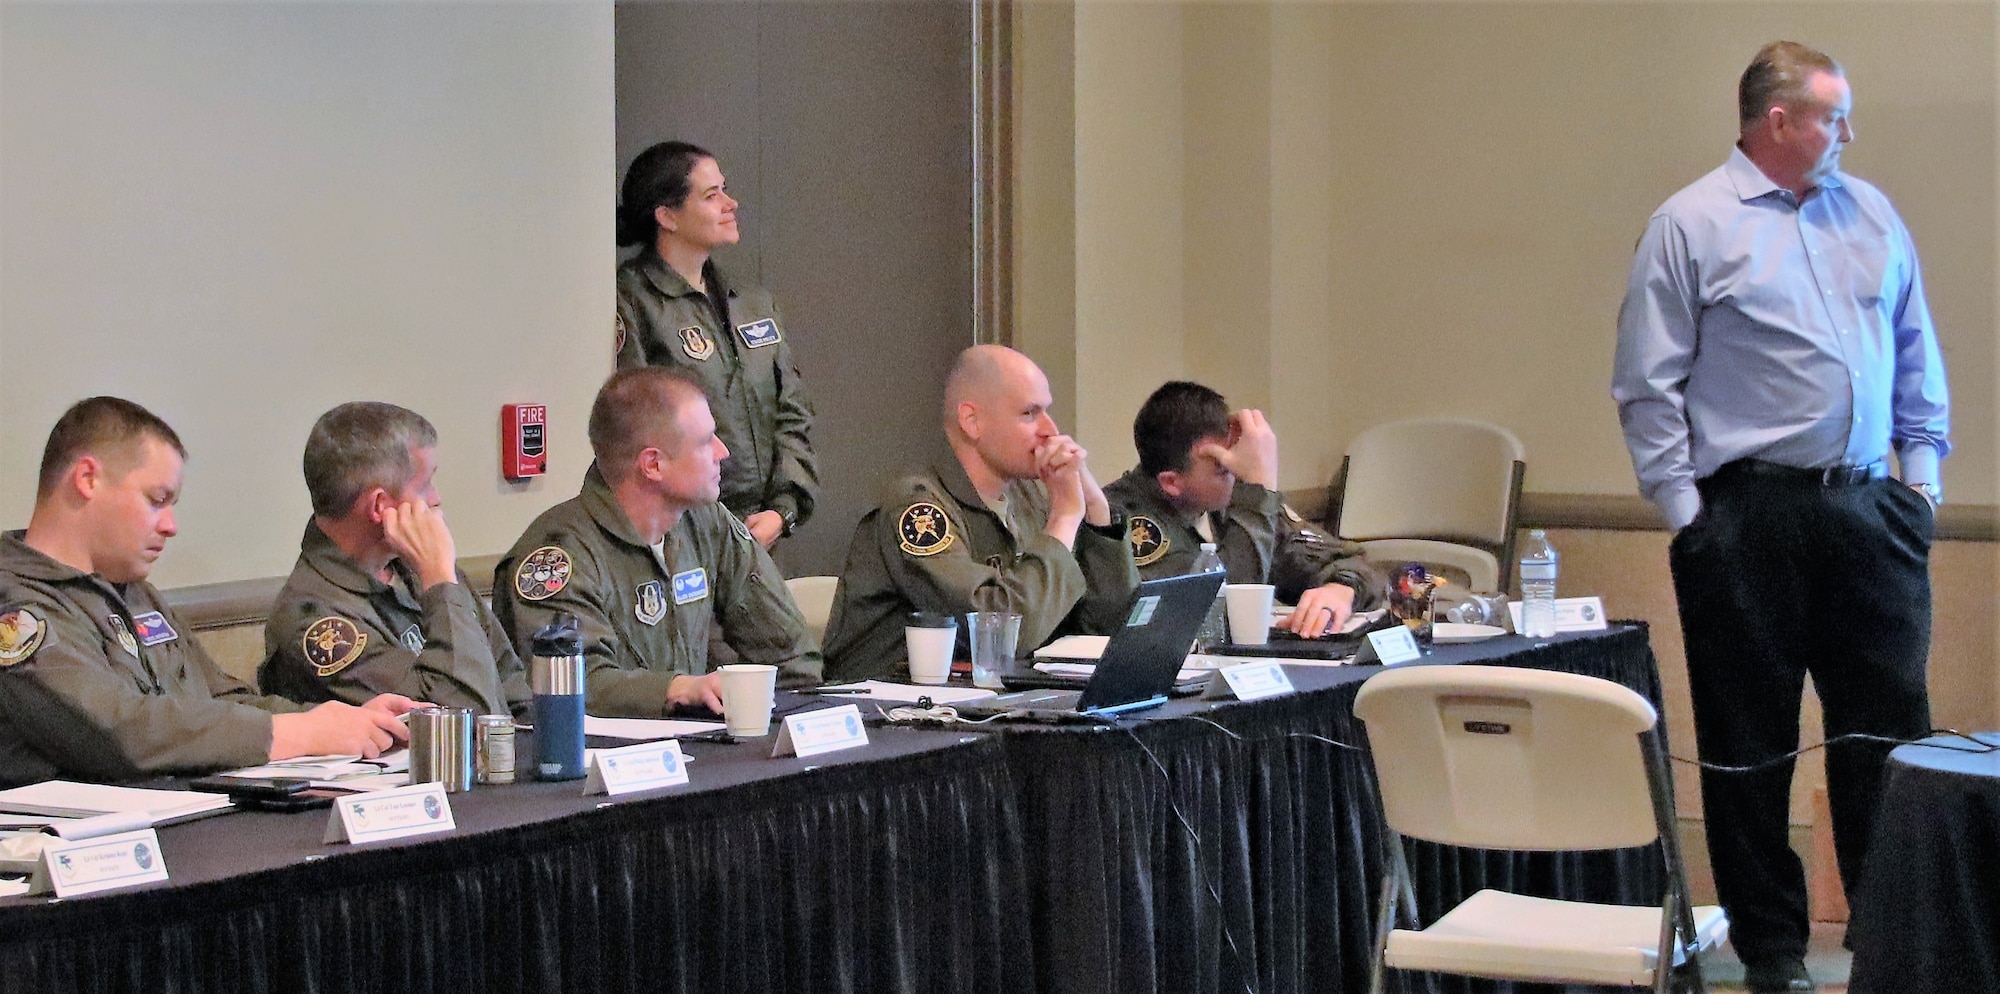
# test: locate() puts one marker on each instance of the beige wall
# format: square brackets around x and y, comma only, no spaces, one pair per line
[241,214]
[1351,212]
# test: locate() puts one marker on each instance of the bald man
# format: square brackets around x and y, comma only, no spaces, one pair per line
[1016,522]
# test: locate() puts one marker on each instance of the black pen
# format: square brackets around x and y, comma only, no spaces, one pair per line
[839,691]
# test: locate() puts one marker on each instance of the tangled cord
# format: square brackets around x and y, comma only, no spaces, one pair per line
[1979,746]
[928,710]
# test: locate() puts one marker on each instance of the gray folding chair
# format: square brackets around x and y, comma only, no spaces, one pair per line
[1441,491]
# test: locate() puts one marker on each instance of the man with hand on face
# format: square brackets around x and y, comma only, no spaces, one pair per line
[650,564]
[1015,523]
[376,602]
[1207,475]
[98,679]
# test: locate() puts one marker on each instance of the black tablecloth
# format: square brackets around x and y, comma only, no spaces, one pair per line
[889,869]
[1253,861]
[1928,914]
[1167,854]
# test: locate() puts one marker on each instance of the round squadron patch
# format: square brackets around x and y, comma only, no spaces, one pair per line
[543,573]
[1149,542]
[925,529]
[619,319]
[21,633]
[696,343]
[331,643]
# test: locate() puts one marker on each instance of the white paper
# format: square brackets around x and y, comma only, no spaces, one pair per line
[420,809]
[68,799]
[366,784]
[1075,647]
[882,690]
[645,729]
[318,768]
[1573,614]
[816,732]
[1254,681]
[107,863]
[646,766]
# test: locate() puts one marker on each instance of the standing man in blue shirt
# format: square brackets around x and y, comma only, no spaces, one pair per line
[1773,346]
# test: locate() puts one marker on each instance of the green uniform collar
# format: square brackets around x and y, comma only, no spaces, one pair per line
[26,561]
[601,505]
[670,284]
[319,553]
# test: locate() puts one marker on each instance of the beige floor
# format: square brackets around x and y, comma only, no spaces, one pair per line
[1825,960]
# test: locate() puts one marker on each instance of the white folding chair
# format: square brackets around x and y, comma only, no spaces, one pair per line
[814,596]
[1442,491]
[1496,757]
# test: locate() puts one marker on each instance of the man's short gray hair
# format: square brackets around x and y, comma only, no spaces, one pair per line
[361,445]
[1778,75]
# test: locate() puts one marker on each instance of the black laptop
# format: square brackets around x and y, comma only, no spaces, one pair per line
[1139,663]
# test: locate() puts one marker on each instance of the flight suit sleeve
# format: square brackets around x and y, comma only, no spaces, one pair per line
[759,618]
[795,472]
[1248,540]
[938,572]
[454,669]
[611,688]
[1104,557]
[93,720]
[629,335]
[1309,558]
[513,672]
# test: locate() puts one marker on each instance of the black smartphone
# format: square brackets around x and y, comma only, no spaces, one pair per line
[253,788]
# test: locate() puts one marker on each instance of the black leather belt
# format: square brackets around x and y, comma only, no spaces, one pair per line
[1830,476]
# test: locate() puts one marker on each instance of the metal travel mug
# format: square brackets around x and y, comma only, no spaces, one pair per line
[441,747]
[555,671]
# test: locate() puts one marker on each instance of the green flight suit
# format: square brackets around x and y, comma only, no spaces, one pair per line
[646,620]
[100,681]
[337,634]
[743,360]
[936,546]
[1259,537]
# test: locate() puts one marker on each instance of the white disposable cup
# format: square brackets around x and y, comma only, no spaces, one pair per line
[749,691]
[1249,612]
[930,653]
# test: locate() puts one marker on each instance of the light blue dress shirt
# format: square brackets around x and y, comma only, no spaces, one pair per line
[1759,326]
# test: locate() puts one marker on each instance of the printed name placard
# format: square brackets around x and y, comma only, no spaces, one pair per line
[645,766]
[1251,681]
[104,863]
[823,731]
[398,813]
[1573,614]
[1389,647]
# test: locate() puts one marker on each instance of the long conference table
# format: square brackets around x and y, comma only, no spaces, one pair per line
[1207,846]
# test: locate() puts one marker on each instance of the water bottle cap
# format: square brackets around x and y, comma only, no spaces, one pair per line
[558,638]
[1208,546]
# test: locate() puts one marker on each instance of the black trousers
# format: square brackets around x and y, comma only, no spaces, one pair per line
[1779,577]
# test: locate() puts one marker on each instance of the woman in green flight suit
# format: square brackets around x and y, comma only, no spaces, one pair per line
[677,308]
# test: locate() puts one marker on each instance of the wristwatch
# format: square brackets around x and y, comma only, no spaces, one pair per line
[1931,491]
[790,517]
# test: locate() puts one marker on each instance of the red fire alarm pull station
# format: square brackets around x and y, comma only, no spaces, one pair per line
[523,440]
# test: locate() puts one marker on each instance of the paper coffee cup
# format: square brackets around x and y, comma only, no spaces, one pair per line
[1249,612]
[749,691]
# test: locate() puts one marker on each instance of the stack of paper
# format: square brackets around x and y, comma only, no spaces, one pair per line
[882,690]
[391,769]
[67,799]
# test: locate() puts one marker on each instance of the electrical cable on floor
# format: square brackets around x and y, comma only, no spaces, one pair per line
[1979,747]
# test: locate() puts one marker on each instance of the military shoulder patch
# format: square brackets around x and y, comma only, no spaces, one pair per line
[925,529]
[696,343]
[620,320]
[543,573]
[332,643]
[1149,541]
[21,633]
[1294,515]
[736,525]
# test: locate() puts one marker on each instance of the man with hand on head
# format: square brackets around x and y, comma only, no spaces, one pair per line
[1014,523]
[98,679]
[1208,475]
[376,602]
[650,563]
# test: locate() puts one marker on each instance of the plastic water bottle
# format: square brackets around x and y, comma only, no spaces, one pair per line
[1538,586]
[1214,628]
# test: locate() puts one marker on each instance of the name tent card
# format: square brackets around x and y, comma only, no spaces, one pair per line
[1389,647]
[1573,614]
[398,813]
[646,766]
[1251,681]
[817,732]
[105,863]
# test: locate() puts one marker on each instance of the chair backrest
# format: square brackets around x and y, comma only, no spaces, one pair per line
[1498,757]
[1451,479]
[814,596]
